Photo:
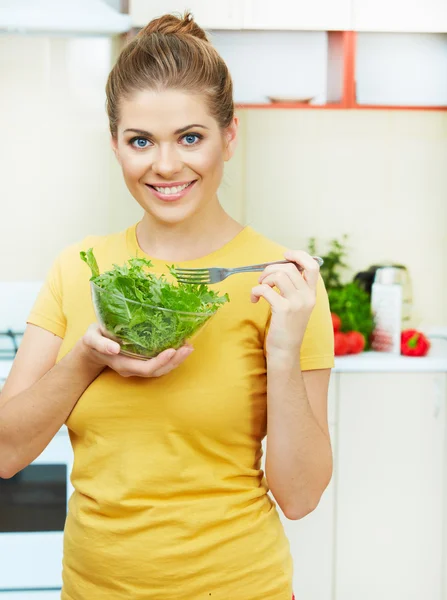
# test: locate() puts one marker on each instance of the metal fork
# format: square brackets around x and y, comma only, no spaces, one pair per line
[216,274]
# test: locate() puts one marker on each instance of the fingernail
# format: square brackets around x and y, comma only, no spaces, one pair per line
[111,348]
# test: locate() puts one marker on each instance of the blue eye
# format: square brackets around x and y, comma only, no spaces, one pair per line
[191,139]
[139,142]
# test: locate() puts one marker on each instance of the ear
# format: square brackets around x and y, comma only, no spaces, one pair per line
[114,144]
[231,137]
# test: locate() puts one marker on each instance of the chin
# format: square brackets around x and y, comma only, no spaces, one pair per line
[171,214]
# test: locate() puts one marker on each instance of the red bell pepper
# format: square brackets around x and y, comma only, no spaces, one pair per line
[413,343]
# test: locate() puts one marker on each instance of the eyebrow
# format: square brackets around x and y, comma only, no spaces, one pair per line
[177,132]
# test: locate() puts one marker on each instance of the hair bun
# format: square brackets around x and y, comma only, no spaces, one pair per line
[171,24]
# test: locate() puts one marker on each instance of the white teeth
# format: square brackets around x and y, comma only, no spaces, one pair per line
[171,190]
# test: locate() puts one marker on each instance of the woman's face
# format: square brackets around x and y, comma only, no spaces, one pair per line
[172,152]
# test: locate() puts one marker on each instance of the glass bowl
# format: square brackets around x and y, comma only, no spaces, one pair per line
[142,330]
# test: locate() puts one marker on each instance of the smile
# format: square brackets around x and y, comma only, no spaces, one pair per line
[172,191]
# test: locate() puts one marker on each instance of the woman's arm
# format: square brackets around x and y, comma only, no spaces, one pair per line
[299,455]
[39,394]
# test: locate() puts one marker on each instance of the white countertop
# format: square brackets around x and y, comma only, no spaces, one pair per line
[380,362]
[384,362]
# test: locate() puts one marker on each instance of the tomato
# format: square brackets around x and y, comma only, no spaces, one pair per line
[336,322]
[341,343]
[356,342]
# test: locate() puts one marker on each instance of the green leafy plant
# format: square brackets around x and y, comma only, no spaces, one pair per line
[353,306]
[334,261]
[351,303]
[147,314]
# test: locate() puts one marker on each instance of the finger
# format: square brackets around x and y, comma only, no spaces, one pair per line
[283,282]
[151,366]
[180,356]
[290,269]
[134,367]
[265,291]
[311,269]
[95,340]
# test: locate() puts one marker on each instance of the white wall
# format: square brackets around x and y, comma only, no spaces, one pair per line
[54,156]
[379,176]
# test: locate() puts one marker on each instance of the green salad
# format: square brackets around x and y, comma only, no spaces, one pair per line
[147,314]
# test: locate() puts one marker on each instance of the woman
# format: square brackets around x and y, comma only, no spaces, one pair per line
[169,499]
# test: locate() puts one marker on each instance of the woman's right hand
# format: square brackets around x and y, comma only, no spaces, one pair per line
[106,353]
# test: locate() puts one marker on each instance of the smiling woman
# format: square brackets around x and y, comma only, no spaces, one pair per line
[170,500]
[172,150]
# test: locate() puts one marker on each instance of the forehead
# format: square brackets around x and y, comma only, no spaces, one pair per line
[164,110]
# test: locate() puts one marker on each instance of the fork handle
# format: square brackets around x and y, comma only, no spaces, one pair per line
[261,267]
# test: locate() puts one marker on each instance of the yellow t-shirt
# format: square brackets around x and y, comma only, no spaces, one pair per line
[170,501]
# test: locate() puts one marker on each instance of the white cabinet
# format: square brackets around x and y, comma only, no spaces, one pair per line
[275,63]
[312,538]
[390,479]
[400,15]
[209,14]
[318,15]
[402,69]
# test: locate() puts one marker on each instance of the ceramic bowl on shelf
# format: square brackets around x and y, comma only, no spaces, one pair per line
[290,99]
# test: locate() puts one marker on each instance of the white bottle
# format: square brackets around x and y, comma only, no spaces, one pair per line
[391,303]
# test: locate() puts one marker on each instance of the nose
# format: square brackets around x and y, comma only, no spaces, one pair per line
[166,161]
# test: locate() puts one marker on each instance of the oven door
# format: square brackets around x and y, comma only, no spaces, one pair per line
[33,507]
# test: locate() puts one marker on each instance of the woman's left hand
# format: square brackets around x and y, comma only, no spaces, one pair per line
[292,307]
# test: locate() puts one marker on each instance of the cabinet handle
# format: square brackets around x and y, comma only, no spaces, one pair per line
[438,397]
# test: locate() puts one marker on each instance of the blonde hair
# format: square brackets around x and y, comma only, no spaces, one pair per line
[171,53]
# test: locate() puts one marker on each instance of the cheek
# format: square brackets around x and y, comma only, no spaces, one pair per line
[134,166]
[211,164]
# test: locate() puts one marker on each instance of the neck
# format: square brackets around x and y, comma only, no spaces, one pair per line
[196,237]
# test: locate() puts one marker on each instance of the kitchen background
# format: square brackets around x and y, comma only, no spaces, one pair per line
[366,157]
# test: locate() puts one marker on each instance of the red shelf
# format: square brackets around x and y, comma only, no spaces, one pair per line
[280,105]
[393,107]
[305,105]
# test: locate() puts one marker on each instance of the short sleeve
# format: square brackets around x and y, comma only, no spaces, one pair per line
[47,311]
[317,350]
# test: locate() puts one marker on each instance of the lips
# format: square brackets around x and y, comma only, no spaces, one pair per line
[171,191]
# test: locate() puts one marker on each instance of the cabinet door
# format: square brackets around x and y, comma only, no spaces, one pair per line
[226,15]
[312,538]
[400,15]
[318,15]
[390,474]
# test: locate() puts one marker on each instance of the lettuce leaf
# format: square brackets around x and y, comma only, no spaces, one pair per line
[129,302]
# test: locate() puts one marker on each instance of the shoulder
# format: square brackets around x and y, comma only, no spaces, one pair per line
[259,248]
[70,274]
[107,248]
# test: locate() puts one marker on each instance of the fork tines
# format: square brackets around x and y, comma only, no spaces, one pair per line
[193,275]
